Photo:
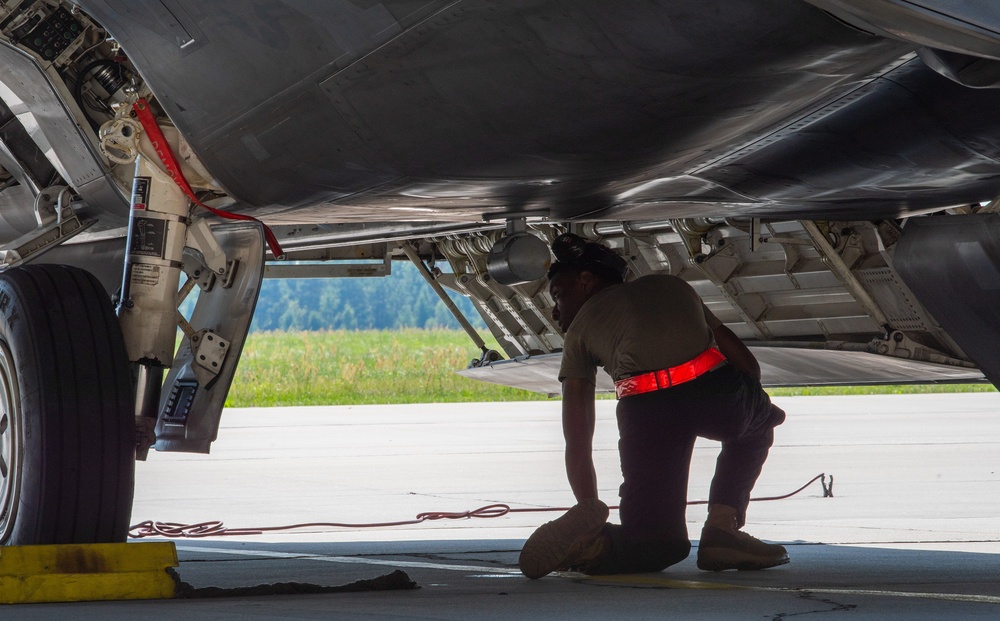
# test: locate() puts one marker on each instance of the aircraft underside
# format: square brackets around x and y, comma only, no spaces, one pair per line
[826,173]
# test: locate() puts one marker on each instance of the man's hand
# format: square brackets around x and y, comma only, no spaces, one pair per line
[578,416]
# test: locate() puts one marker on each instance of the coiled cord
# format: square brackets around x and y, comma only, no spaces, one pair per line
[173,530]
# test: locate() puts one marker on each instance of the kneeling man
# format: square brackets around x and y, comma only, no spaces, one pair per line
[679,374]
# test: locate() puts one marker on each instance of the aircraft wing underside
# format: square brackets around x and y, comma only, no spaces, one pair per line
[771,152]
[444,110]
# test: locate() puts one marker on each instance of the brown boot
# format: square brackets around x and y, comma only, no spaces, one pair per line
[573,540]
[723,546]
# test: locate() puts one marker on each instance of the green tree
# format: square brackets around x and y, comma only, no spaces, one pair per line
[401,300]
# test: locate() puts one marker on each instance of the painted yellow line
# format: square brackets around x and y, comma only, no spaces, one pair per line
[949,597]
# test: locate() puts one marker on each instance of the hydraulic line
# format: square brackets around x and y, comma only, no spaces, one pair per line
[426,273]
[174,530]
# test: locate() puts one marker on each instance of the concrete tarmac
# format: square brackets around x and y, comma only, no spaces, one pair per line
[912,530]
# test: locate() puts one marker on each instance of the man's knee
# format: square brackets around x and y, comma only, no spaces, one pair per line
[777,416]
[760,427]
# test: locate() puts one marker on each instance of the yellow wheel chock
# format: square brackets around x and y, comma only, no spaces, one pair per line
[86,572]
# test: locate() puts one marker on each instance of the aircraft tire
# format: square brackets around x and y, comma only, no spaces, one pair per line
[67,426]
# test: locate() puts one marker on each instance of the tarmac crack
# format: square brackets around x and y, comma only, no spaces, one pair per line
[812,597]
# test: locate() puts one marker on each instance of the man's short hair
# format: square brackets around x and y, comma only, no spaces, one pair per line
[574,254]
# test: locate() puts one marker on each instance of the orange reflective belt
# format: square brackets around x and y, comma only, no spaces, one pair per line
[665,378]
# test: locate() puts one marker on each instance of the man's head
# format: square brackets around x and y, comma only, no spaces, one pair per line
[580,270]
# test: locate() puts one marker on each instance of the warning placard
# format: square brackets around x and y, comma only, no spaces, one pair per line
[145,275]
[149,237]
[140,192]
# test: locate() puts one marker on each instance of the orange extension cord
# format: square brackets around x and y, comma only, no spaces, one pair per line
[173,530]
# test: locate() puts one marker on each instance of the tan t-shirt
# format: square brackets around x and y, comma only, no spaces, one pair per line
[654,322]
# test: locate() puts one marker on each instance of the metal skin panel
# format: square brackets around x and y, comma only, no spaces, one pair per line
[779,366]
[953,267]
[355,111]
[964,26]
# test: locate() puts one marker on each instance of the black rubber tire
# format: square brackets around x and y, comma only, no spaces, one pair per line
[67,425]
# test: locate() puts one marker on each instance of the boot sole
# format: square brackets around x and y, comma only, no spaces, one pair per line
[723,559]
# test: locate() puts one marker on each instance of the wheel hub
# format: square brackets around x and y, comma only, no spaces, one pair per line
[6,446]
[10,452]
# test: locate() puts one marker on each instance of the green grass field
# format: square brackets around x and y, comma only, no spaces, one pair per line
[404,366]
[357,367]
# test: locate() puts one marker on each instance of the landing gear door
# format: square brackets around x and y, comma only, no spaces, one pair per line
[202,372]
[952,264]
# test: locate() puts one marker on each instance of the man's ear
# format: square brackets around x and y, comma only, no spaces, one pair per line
[589,281]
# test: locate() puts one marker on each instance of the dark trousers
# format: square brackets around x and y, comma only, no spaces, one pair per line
[657,435]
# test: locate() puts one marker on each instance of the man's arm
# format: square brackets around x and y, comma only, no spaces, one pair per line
[733,348]
[578,417]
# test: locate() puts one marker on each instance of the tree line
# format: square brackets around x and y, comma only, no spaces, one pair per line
[400,300]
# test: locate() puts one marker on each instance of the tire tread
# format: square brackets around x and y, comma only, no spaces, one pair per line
[85,414]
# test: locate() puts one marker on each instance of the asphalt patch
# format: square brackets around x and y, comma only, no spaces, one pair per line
[395,581]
